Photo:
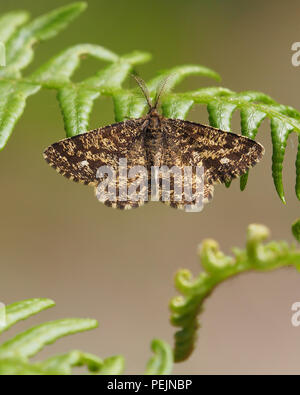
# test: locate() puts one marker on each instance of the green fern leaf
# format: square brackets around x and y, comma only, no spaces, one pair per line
[178,105]
[177,74]
[250,122]
[220,114]
[13,97]
[22,310]
[19,52]
[30,342]
[10,22]
[19,42]
[113,365]
[280,133]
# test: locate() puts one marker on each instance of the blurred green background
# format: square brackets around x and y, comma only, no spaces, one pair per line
[57,241]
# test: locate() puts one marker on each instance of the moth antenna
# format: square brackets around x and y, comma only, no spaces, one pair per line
[144,89]
[161,90]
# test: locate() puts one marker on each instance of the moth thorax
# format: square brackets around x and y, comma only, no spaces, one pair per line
[154,122]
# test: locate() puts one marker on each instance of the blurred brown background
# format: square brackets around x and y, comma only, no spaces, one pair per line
[57,241]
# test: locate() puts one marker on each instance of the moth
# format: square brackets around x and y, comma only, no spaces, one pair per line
[118,159]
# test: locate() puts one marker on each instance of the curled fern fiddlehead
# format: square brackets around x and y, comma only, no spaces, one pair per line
[218,267]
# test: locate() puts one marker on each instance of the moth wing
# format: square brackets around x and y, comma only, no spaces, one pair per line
[79,158]
[222,155]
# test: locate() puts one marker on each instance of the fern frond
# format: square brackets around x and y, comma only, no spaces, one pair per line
[76,99]
[19,39]
[254,107]
[19,46]
[15,353]
[217,268]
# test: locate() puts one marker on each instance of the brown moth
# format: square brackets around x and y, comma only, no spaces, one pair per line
[154,142]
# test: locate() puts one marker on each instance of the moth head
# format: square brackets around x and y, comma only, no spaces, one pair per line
[162,88]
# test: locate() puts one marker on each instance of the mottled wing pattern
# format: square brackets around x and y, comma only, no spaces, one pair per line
[223,155]
[79,158]
[176,143]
